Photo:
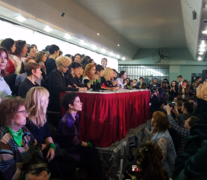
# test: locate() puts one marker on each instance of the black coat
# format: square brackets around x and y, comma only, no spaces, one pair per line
[57,85]
[25,86]
[50,65]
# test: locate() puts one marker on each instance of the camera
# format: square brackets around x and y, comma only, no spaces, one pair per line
[172,104]
[133,168]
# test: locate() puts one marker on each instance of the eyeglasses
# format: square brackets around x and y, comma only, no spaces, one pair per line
[23,112]
[66,67]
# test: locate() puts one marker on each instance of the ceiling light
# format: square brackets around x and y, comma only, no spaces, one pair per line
[156,73]
[204,32]
[94,47]
[202,45]
[199,58]
[47,29]
[203,42]
[103,50]
[118,44]
[82,42]
[21,18]
[201,53]
[67,36]
[111,54]
[202,49]
[118,56]
[123,58]
[98,34]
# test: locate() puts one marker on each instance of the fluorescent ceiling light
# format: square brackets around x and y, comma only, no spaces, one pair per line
[47,29]
[204,32]
[82,42]
[203,42]
[202,49]
[103,50]
[199,58]
[21,18]
[123,58]
[67,36]
[118,56]
[201,53]
[111,54]
[94,47]
[202,45]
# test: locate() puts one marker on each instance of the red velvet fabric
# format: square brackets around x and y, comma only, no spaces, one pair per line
[106,118]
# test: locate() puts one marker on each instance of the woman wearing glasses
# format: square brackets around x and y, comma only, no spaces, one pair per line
[18,147]
[57,82]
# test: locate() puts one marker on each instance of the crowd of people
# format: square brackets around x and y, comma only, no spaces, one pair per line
[30,83]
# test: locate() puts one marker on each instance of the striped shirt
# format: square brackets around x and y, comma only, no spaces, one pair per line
[13,159]
[179,128]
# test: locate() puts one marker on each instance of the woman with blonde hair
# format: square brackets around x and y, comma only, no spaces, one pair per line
[161,137]
[89,76]
[106,80]
[37,121]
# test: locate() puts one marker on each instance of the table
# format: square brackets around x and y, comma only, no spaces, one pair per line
[106,117]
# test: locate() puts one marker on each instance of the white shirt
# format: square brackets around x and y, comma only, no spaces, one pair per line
[120,82]
[17,60]
[4,88]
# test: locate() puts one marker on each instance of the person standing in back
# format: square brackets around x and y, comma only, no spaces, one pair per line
[54,53]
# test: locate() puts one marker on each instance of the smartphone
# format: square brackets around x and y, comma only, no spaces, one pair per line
[135,168]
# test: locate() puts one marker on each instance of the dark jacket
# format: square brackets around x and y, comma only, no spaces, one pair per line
[25,86]
[192,163]
[70,80]
[143,85]
[173,94]
[50,65]
[57,85]
[68,135]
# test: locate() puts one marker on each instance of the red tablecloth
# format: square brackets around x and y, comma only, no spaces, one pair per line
[107,117]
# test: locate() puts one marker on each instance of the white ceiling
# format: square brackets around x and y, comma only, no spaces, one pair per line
[145,23]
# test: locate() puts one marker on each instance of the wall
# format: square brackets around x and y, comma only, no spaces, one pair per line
[181,62]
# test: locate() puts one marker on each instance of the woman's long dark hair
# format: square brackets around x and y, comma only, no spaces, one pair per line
[149,160]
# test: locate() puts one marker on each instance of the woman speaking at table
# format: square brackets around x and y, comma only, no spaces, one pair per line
[68,138]
[106,80]
[89,76]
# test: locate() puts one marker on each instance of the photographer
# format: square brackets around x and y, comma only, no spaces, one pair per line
[182,128]
[192,163]
[149,163]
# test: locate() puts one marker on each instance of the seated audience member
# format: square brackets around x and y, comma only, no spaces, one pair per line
[187,110]
[127,80]
[173,91]
[57,82]
[100,73]
[155,84]
[31,52]
[21,49]
[21,76]
[37,125]
[182,128]
[80,77]
[161,137]
[68,138]
[104,62]
[71,79]
[60,53]
[77,58]
[4,88]
[193,88]
[54,53]
[123,76]
[130,85]
[84,60]
[19,149]
[89,76]
[192,163]
[149,163]
[141,84]
[180,82]
[33,73]
[185,90]
[10,46]
[114,79]
[41,59]
[106,80]
[69,55]
[135,82]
